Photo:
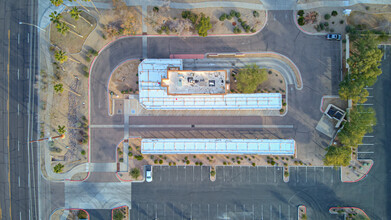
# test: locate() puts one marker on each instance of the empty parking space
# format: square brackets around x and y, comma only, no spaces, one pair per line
[249,174]
[313,175]
[185,174]
[209,211]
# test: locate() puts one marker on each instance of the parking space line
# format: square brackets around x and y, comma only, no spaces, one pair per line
[363,152]
[306,174]
[138,213]
[289,211]
[193,174]
[185,172]
[177,168]
[191,210]
[208,211]
[249,180]
[217,210]
[164,209]
[314,174]
[240,173]
[366,144]
[266,174]
[262,212]
[365,104]
[332,176]
[271,212]
[323,175]
[226,210]
[147,209]
[275,179]
[297,174]
[279,207]
[257,174]
[155,210]
[201,173]
[369,136]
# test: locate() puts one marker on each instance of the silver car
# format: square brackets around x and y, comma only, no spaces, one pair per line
[333,37]
[148,173]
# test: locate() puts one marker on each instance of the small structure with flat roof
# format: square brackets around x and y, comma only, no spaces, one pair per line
[219,146]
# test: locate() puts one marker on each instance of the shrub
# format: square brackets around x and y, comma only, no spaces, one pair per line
[284,104]
[240,20]
[327,16]
[186,14]
[334,13]
[237,14]
[156,161]
[282,110]
[232,13]
[272,163]
[237,30]
[253,164]
[155,9]
[253,30]
[200,163]
[135,173]
[223,17]
[286,173]
[255,14]
[83,152]
[130,154]
[159,31]
[326,24]
[341,21]
[300,21]
[229,17]
[82,214]
[213,173]
[88,59]
[139,157]
[160,161]
[238,161]
[225,163]
[300,13]
[58,168]
[321,26]
[203,26]
[187,161]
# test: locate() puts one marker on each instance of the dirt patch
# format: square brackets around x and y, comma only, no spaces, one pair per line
[173,19]
[319,23]
[71,42]
[124,79]
[371,21]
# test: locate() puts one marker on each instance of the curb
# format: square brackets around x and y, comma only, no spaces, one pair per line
[51,214]
[298,212]
[112,210]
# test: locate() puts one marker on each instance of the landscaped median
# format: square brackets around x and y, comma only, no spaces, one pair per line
[350,213]
[69,214]
[186,154]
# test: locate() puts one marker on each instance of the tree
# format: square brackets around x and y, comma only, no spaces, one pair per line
[58,168]
[135,173]
[360,122]
[93,5]
[76,14]
[59,88]
[80,4]
[56,19]
[60,56]
[57,2]
[338,156]
[61,129]
[250,77]
[62,28]
[204,25]
[354,90]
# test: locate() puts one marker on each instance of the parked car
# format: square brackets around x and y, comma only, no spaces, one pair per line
[148,173]
[333,37]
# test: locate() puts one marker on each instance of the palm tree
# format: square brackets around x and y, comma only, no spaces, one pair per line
[60,56]
[63,29]
[76,14]
[79,4]
[57,2]
[61,129]
[56,19]
[93,5]
[58,88]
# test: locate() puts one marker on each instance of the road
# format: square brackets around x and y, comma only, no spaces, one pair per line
[18,164]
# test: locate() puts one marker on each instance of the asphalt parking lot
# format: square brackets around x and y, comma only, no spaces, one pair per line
[202,201]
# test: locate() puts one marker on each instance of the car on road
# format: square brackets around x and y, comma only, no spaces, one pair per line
[148,173]
[333,37]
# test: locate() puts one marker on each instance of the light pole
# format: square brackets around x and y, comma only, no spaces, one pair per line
[32,25]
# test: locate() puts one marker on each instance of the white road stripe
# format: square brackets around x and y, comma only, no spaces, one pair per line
[18,145]
[366,144]
[369,136]
[365,104]
[28,74]
[18,37]
[18,108]
[19,181]
[369,152]
[28,37]
[18,73]
[368,88]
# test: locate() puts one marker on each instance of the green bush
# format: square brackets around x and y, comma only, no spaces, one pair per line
[326,24]
[334,13]
[223,17]
[156,161]
[255,14]
[232,13]
[237,30]
[282,110]
[338,156]
[321,25]
[250,77]
[213,173]
[155,9]
[301,21]
[130,154]
[327,16]
[286,173]
[83,152]
[300,13]
[139,157]
[237,14]
[229,17]
[253,164]
[240,20]
[186,14]
[135,173]
[88,59]
[159,31]
[341,21]
[187,162]
[253,30]
[81,214]
[58,168]
[160,161]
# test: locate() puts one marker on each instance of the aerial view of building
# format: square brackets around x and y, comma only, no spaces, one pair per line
[195,109]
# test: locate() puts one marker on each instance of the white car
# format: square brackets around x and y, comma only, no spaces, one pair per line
[148,173]
[333,37]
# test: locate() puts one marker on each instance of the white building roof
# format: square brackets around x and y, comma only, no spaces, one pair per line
[154,96]
[218,146]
